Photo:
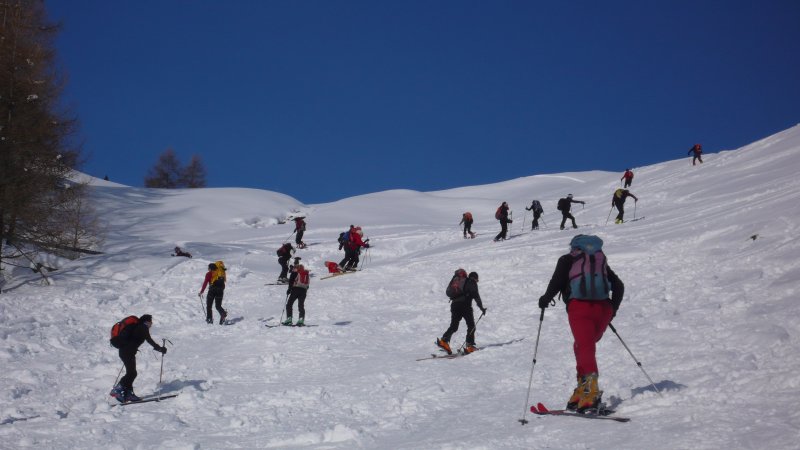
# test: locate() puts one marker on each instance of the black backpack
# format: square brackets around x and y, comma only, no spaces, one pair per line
[563,204]
[537,207]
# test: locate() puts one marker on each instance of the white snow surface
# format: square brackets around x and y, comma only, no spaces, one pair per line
[710,313]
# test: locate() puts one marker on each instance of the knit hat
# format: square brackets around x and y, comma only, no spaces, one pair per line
[474,275]
[146,318]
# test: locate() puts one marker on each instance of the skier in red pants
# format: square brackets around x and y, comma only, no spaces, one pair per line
[584,280]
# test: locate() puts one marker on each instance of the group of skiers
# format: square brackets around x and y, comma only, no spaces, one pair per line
[591,290]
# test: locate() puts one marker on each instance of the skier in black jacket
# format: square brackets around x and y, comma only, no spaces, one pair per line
[461,308]
[504,221]
[132,337]
[537,209]
[564,205]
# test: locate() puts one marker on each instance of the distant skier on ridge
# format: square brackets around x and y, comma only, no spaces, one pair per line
[628,177]
[697,149]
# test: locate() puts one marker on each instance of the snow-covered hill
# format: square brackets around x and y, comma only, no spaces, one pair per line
[710,313]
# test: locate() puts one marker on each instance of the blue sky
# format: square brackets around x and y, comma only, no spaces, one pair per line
[323,100]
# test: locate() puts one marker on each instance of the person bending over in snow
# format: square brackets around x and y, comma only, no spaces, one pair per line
[618,201]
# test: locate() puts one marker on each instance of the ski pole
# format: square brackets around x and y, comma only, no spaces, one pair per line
[289,236]
[634,208]
[284,307]
[523,223]
[200,297]
[543,222]
[163,344]
[160,375]
[530,380]
[609,214]
[118,374]
[637,361]
[474,327]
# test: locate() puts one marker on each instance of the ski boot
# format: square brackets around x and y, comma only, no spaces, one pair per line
[118,393]
[130,396]
[470,349]
[572,403]
[444,345]
[591,395]
[287,322]
[222,317]
[618,221]
[301,322]
[209,320]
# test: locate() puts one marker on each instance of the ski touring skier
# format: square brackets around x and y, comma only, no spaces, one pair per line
[466,220]
[618,201]
[697,149]
[537,209]
[215,280]
[583,279]
[284,255]
[299,281]
[462,290]
[352,249]
[131,332]
[564,205]
[300,229]
[628,177]
[502,215]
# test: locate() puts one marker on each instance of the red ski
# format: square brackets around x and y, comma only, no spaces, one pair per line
[541,410]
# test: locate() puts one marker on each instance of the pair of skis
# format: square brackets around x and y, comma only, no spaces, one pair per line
[152,398]
[337,274]
[604,414]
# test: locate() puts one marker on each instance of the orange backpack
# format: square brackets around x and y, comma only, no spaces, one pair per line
[118,331]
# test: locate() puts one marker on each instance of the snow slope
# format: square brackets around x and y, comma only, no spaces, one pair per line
[710,313]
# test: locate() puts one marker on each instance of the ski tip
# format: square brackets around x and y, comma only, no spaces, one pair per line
[533,410]
[541,407]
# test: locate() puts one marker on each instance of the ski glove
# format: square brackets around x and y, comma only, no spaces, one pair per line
[483,311]
[544,302]
[163,350]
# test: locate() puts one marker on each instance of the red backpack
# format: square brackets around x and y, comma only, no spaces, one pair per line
[455,288]
[498,214]
[121,330]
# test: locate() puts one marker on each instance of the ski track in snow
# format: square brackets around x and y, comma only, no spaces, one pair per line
[709,312]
